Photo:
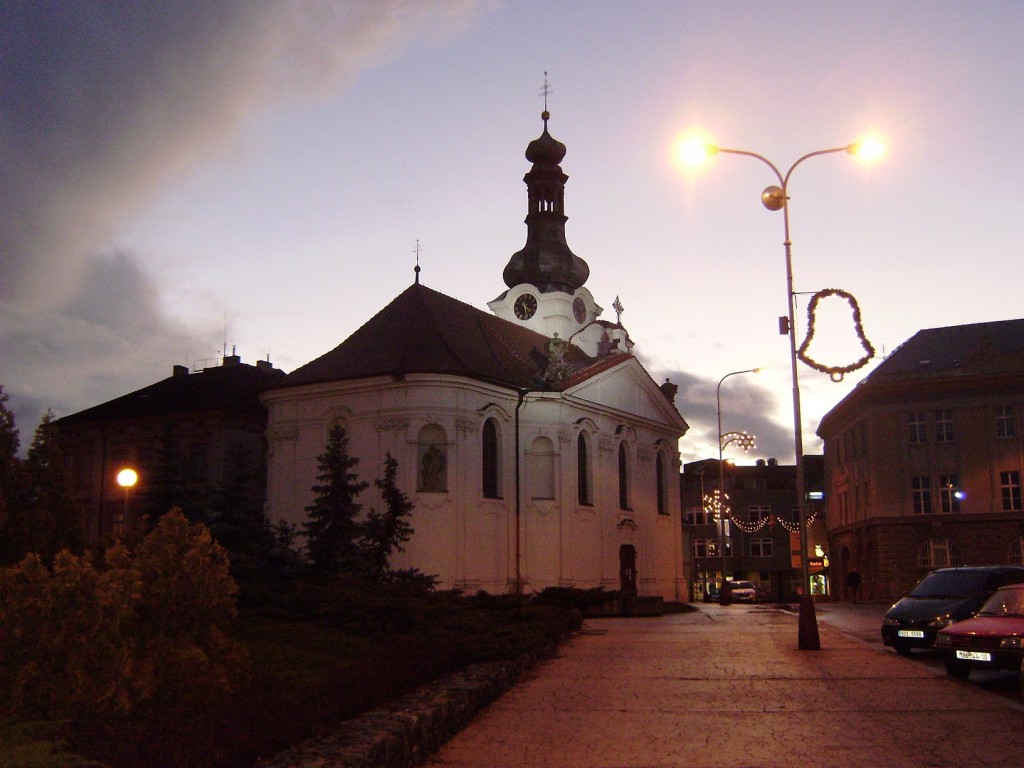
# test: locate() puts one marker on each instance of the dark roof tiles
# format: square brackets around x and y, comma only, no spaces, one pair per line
[424,331]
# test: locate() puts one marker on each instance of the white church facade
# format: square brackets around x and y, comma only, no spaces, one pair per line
[535,447]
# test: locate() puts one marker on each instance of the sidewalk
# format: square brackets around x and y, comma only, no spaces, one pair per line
[724,687]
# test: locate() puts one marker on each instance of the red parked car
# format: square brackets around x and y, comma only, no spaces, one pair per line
[992,639]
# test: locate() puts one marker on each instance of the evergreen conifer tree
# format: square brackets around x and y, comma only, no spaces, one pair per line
[55,519]
[333,530]
[386,531]
[11,485]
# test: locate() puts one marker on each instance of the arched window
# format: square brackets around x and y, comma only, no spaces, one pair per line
[583,484]
[661,480]
[939,552]
[1016,555]
[491,461]
[432,460]
[623,477]
[542,469]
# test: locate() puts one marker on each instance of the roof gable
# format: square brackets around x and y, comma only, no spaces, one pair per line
[623,384]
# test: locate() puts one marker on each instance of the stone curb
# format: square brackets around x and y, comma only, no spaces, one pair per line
[405,733]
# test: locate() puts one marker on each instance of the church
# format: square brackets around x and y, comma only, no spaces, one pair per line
[537,450]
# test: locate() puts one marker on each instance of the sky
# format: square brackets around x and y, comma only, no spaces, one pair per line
[180,180]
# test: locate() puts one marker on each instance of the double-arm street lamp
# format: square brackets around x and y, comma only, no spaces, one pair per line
[746,442]
[776,198]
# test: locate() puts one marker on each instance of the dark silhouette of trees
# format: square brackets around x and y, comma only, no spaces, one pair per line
[385,531]
[333,530]
[37,511]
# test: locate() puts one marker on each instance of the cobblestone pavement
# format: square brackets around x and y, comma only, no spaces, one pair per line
[726,687]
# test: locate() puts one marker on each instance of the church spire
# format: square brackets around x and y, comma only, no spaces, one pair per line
[546,261]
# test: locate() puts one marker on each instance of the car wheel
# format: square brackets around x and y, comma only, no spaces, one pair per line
[961,671]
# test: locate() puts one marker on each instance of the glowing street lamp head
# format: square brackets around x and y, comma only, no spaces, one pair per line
[868,149]
[692,150]
[127,478]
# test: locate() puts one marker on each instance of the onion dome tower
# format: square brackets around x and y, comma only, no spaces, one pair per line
[546,261]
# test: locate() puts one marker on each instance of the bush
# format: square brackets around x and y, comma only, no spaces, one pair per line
[144,629]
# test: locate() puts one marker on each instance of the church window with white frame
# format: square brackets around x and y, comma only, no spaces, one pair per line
[491,460]
[623,477]
[584,481]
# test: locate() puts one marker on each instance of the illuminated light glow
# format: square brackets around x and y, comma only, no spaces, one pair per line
[127,478]
[868,149]
[692,149]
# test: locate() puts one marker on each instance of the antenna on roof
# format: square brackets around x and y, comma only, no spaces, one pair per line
[417,250]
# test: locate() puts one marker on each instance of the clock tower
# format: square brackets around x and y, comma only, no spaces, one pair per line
[545,278]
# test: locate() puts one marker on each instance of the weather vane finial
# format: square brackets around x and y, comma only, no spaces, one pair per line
[417,250]
[544,91]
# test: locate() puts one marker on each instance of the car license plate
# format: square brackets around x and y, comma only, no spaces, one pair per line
[910,633]
[974,655]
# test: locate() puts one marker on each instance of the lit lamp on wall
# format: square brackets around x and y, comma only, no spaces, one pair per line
[775,198]
[127,479]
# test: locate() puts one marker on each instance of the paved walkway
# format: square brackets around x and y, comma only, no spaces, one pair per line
[726,687]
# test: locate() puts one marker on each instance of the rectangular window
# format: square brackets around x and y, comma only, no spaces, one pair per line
[1009,484]
[757,512]
[197,463]
[1004,422]
[922,494]
[944,426]
[761,547]
[693,516]
[949,493]
[916,424]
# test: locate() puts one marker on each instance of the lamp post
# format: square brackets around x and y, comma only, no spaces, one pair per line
[126,478]
[746,442]
[776,198]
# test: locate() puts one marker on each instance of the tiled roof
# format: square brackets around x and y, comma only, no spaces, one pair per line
[977,347]
[232,387]
[424,331]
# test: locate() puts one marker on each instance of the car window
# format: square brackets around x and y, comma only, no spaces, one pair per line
[1005,602]
[1009,577]
[950,584]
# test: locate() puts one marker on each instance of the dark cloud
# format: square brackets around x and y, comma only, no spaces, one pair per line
[109,338]
[102,103]
[751,408]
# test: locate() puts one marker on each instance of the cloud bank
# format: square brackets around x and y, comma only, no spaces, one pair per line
[102,104]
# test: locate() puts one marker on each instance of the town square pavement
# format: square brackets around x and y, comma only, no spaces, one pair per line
[727,687]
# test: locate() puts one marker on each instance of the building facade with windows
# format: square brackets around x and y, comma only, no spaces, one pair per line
[761,535]
[187,436]
[535,447]
[924,459]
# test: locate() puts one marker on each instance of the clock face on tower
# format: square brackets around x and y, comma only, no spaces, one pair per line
[525,306]
[579,310]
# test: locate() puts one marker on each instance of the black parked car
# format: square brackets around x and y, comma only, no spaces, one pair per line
[941,598]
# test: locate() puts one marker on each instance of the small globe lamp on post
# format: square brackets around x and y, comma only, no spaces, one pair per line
[746,442]
[127,479]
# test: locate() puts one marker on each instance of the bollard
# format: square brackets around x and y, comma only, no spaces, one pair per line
[807,639]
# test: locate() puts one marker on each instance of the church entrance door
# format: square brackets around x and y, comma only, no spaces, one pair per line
[627,569]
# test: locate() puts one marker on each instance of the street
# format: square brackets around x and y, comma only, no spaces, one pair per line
[864,622]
